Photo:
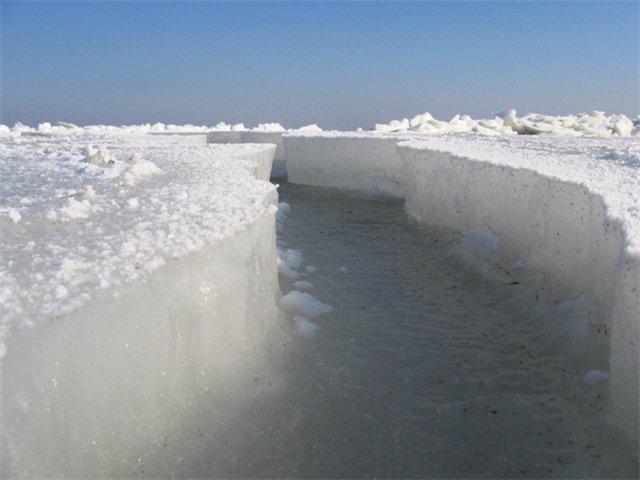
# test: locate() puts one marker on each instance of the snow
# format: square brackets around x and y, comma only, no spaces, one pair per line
[114,211]
[595,123]
[303,304]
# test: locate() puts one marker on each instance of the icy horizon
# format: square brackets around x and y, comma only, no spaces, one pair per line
[594,123]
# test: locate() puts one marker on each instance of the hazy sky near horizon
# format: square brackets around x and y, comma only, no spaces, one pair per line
[341,65]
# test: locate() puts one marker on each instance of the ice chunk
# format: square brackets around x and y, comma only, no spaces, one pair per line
[269,127]
[303,285]
[595,376]
[482,242]
[75,209]
[304,326]
[14,215]
[303,304]
[288,261]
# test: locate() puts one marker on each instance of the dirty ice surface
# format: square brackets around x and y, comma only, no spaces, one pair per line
[419,368]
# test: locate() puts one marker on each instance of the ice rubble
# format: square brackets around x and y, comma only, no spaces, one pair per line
[301,306]
[595,123]
[46,129]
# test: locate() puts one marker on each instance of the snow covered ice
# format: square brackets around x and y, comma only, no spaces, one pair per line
[467,273]
[116,251]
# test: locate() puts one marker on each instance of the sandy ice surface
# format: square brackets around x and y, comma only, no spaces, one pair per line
[81,215]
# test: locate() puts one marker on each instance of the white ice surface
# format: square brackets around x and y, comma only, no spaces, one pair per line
[75,219]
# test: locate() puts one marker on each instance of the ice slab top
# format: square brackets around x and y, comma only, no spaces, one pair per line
[608,167]
[76,218]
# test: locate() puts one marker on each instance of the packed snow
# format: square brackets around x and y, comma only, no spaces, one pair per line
[80,216]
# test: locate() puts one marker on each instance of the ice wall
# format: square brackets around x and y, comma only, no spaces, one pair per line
[275,138]
[138,301]
[365,163]
[224,137]
[279,165]
[256,136]
[130,382]
[562,213]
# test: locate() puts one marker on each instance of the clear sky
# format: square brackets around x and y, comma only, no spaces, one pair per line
[341,65]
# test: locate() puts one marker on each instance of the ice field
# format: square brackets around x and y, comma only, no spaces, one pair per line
[427,298]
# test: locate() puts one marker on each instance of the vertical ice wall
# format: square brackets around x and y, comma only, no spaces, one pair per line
[578,237]
[365,163]
[250,136]
[257,137]
[224,137]
[279,169]
[130,382]
[125,379]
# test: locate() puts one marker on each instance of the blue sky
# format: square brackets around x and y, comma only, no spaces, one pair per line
[341,65]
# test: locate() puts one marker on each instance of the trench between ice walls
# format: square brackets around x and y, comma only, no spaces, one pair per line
[560,229]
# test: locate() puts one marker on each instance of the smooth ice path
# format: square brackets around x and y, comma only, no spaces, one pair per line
[421,368]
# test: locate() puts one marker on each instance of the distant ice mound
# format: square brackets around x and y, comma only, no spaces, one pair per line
[595,124]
